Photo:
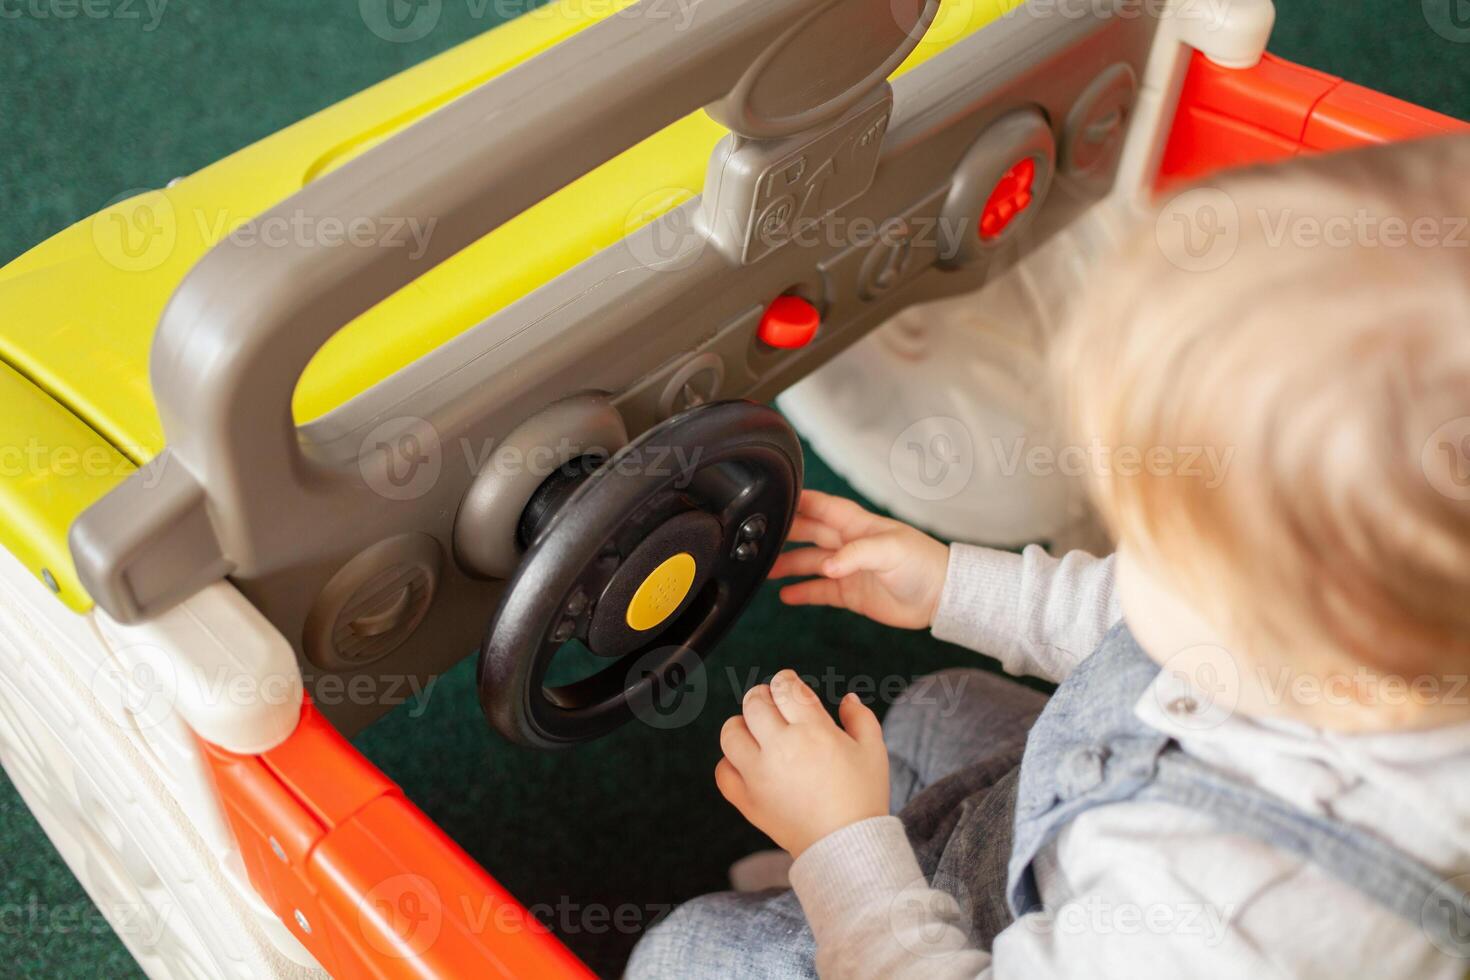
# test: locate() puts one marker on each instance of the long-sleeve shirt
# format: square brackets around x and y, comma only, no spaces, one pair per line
[1150,889]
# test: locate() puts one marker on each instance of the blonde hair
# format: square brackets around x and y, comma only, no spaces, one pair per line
[1315,334]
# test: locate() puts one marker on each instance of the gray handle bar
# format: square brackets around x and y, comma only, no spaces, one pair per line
[242,327]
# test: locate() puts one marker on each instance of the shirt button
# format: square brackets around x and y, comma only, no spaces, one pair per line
[1081,771]
[1184,705]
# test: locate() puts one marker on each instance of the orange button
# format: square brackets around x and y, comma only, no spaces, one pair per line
[1012,195]
[790,322]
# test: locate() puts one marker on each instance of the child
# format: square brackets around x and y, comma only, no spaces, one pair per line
[1290,794]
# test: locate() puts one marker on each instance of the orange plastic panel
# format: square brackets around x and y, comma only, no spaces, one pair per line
[362,877]
[1203,141]
[332,793]
[1351,115]
[1275,95]
[1233,117]
[403,890]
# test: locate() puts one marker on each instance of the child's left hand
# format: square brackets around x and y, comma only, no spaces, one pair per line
[793,773]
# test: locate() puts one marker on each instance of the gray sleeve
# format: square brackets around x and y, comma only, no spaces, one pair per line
[873,914]
[1036,614]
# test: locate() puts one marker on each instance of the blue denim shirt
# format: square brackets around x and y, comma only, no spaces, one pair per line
[1089,748]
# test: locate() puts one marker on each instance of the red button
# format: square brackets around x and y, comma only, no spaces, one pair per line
[789,322]
[1011,196]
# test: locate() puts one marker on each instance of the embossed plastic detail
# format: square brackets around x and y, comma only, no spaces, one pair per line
[374,603]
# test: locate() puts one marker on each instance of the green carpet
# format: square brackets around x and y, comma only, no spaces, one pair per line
[611,832]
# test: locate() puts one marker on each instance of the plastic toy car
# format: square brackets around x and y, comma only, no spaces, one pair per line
[475,358]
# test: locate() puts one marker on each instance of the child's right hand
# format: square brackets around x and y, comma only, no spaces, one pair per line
[874,566]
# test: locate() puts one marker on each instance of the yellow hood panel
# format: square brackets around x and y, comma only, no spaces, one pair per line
[78,311]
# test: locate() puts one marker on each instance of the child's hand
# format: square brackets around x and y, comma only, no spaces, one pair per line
[793,773]
[879,568]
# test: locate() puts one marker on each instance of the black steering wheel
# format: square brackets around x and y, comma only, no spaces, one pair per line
[646,559]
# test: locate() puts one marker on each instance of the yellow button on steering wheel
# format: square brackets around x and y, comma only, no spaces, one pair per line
[662,592]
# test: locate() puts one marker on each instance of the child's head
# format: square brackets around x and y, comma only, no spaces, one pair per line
[1308,325]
